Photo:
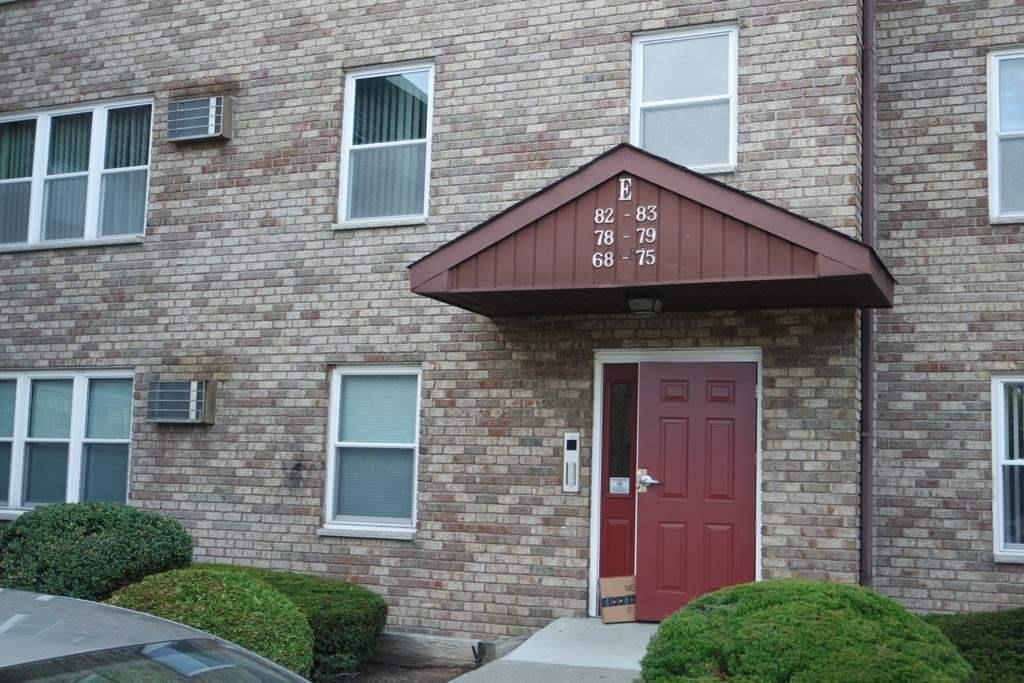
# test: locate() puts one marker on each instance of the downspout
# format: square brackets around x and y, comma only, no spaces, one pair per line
[867,315]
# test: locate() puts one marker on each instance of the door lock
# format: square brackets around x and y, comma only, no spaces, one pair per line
[648,480]
[643,480]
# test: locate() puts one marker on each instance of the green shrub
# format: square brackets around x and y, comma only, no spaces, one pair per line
[347,619]
[993,642]
[796,630]
[237,608]
[89,550]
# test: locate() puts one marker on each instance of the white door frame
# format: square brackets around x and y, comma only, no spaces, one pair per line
[605,356]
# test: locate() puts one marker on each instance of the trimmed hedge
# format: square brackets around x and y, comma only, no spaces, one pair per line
[993,642]
[237,608]
[347,619]
[89,550]
[799,630]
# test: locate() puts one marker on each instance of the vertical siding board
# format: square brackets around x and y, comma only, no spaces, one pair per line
[505,268]
[464,274]
[711,253]
[691,231]
[757,253]
[485,272]
[668,243]
[804,262]
[526,256]
[780,257]
[734,248]
[579,217]
[544,252]
[565,244]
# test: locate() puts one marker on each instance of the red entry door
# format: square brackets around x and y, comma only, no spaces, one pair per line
[696,432]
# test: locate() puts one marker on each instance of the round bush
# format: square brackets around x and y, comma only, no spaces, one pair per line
[89,550]
[346,619]
[237,608]
[798,630]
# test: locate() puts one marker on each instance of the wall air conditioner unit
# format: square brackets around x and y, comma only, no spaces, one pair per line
[188,402]
[199,119]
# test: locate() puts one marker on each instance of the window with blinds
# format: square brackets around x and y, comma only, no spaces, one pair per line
[64,437]
[386,138]
[374,450]
[74,175]
[1008,458]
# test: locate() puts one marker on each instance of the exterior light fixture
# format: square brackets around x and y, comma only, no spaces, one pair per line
[643,302]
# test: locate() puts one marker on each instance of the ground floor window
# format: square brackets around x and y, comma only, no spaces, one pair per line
[374,427]
[1008,460]
[64,437]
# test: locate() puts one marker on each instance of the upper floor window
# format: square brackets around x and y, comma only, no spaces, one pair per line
[64,437]
[684,97]
[74,174]
[386,145]
[1006,135]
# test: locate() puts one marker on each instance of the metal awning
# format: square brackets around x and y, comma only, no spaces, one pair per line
[628,225]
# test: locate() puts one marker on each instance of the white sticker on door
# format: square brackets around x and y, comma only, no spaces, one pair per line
[618,485]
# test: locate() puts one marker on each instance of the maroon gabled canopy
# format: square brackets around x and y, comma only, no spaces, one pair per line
[628,224]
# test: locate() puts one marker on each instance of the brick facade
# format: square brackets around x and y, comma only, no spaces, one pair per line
[243,277]
[959,310]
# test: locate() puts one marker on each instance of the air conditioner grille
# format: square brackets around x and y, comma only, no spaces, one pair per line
[171,401]
[196,119]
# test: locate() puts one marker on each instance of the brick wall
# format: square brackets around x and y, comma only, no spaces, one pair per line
[959,306]
[242,277]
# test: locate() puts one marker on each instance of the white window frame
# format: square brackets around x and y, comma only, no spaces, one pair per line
[636,91]
[97,147]
[996,136]
[346,144]
[1002,552]
[76,439]
[375,529]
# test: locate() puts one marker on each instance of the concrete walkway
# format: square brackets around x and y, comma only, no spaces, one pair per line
[572,651]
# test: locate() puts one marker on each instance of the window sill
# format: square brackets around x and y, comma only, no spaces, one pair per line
[11,513]
[713,170]
[1009,557]
[72,244]
[396,222]
[1002,220]
[388,533]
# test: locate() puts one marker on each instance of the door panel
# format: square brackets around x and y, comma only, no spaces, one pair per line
[672,551]
[673,444]
[696,432]
[618,470]
[719,459]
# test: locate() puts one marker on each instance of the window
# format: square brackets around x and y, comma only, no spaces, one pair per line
[684,97]
[64,437]
[386,146]
[1006,135]
[74,175]
[374,430]
[1008,460]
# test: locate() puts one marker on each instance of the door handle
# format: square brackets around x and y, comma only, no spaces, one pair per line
[648,480]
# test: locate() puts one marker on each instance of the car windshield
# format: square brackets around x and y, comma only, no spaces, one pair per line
[197,661]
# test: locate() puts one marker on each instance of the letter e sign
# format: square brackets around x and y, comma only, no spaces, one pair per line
[625,189]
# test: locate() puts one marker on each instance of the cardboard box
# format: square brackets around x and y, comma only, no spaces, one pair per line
[618,599]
